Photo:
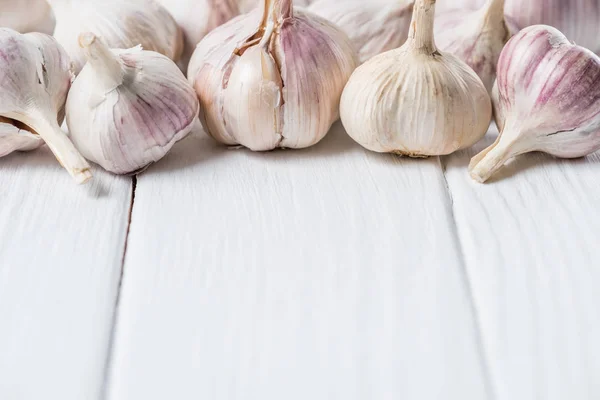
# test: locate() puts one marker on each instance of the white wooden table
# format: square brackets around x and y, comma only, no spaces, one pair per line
[329,273]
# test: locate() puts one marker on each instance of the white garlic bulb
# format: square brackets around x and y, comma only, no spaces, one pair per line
[35,77]
[16,138]
[372,26]
[271,78]
[546,98]
[127,108]
[122,23]
[476,37]
[578,20]
[415,100]
[197,18]
[27,16]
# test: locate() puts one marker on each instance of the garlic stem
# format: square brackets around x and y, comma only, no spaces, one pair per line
[64,151]
[494,157]
[420,36]
[277,9]
[108,67]
[493,14]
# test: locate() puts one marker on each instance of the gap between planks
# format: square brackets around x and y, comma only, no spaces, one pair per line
[113,330]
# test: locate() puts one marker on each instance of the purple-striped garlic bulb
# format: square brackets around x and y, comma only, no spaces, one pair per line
[127,108]
[415,100]
[579,20]
[546,98]
[476,37]
[197,18]
[271,78]
[35,76]
[121,23]
[373,27]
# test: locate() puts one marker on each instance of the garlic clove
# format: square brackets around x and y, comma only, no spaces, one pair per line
[197,18]
[313,58]
[122,23]
[12,138]
[415,100]
[27,16]
[35,77]
[257,90]
[127,108]
[476,37]
[546,98]
[373,27]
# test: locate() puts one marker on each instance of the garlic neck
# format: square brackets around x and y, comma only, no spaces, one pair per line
[276,10]
[493,14]
[420,37]
[107,65]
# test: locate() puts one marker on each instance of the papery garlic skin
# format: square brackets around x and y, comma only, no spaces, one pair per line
[476,37]
[414,100]
[122,23]
[547,98]
[297,65]
[35,77]
[127,108]
[14,139]
[27,16]
[197,18]
[246,6]
[373,27]
[578,20]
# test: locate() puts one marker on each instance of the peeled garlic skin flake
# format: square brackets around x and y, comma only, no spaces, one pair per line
[304,62]
[546,98]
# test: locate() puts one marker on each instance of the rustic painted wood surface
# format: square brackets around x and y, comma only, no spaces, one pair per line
[326,273]
[61,249]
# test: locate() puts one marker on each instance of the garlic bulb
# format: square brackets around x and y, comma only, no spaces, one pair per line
[198,17]
[271,78]
[122,23]
[127,108]
[476,37]
[15,138]
[27,16]
[546,98]
[578,20]
[246,6]
[373,26]
[415,100]
[35,77]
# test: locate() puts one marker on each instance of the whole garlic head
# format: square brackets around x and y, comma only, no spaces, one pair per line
[122,23]
[27,16]
[35,77]
[372,26]
[476,37]
[415,100]
[197,18]
[271,78]
[127,108]
[546,98]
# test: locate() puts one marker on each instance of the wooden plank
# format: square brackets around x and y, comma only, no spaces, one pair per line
[318,274]
[530,239]
[61,249]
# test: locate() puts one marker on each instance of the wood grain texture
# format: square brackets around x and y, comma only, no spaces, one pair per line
[61,248]
[330,273]
[530,239]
